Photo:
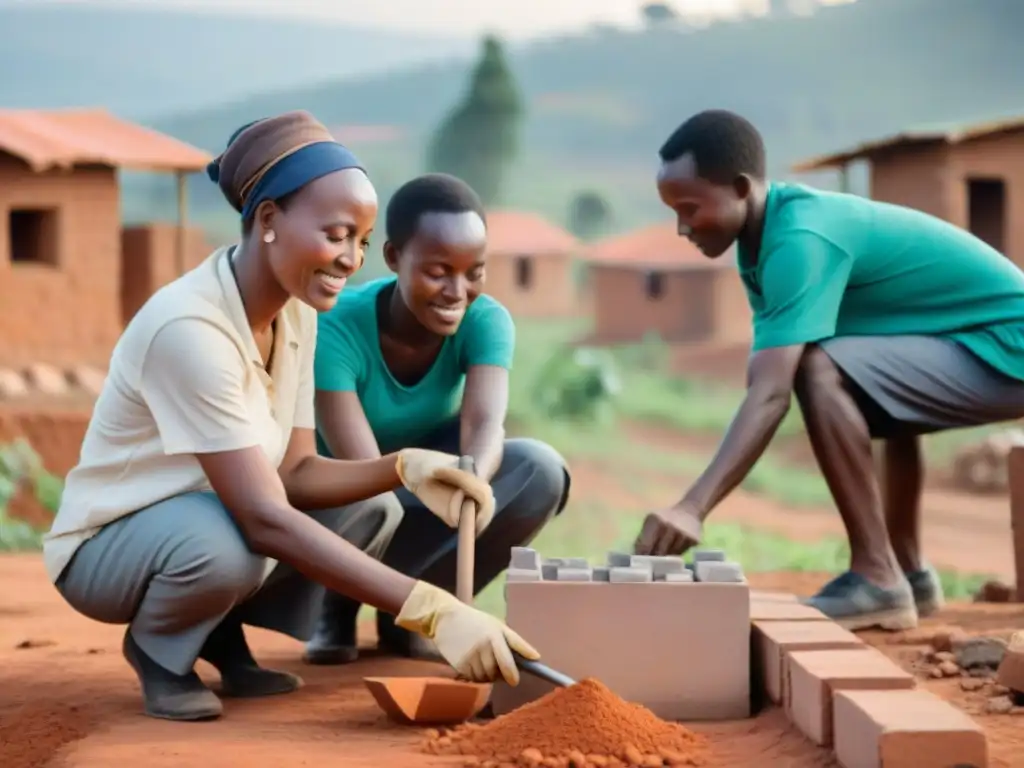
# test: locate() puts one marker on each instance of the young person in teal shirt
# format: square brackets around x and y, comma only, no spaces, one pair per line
[423,359]
[885,322]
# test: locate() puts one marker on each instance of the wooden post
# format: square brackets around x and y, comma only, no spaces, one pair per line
[844,177]
[1015,473]
[181,239]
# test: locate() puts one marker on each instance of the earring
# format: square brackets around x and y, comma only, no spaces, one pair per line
[268,236]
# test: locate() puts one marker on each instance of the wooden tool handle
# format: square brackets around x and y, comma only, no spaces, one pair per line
[467,543]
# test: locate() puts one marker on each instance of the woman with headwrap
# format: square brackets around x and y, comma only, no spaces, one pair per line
[200,453]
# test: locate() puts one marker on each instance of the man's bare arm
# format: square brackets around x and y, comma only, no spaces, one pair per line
[770,377]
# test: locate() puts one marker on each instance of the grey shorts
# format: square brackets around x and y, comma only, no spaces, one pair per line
[921,384]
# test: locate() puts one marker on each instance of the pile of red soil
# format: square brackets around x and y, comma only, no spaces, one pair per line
[583,726]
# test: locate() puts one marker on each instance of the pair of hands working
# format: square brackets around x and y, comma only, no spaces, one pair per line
[477,645]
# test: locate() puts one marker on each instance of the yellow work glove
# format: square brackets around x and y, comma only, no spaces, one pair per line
[477,645]
[436,480]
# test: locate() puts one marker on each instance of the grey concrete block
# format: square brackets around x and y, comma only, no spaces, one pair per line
[549,570]
[525,558]
[600,573]
[708,556]
[628,575]
[522,574]
[575,562]
[619,559]
[720,572]
[568,573]
[682,577]
[661,566]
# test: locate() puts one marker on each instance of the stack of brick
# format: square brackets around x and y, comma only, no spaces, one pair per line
[844,694]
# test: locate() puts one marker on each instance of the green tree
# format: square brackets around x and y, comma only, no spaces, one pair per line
[589,215]
[658,13]
[479,138]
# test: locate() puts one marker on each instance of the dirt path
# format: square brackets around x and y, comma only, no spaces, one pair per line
[961,531]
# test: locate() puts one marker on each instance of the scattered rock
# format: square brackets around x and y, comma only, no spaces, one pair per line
[995,592]
[972,684]
[938,638]
[999,705]
[34,643]
[999,690]
[949,669]
[1011,670]
[941,656]
[985,673]
[976,652]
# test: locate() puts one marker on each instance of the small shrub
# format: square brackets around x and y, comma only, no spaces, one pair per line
[20,465]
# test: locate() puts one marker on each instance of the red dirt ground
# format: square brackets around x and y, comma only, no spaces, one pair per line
[68,699]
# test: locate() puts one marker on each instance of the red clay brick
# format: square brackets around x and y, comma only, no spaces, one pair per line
[762,596]
[904,729]
[1011,669]
[814,676]
[774,640]
[783,610]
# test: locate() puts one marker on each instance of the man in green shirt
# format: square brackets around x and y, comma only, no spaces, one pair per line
[886,323]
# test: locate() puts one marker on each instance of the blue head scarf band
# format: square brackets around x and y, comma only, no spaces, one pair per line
[296,170]
[269,159]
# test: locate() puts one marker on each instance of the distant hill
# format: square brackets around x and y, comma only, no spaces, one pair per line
[142,63]
[601,101]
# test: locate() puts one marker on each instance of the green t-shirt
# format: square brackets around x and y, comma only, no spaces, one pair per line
[348,359]
[834,264]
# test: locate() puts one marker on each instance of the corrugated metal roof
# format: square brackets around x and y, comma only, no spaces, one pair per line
[947,133]
[658,246]
[66,138]
[521,232]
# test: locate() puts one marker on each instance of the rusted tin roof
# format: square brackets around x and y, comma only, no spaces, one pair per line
[949,133]
[658,246]
[522,233]
[65,138]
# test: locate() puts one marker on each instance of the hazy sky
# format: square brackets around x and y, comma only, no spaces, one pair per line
[510,17]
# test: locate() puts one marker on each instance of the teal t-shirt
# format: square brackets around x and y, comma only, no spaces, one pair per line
[348,359]
[834,264]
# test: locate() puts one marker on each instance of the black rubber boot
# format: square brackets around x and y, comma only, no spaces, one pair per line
[334,639]
[167,695]
[240,676]
[401,642]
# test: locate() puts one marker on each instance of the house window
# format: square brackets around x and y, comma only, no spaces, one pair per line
[986,211]
[524,272]
[654,285]
[32,236]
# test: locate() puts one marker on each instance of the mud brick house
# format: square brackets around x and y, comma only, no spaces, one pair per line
[530,265]
[69,275]
[652,281]
[969,175]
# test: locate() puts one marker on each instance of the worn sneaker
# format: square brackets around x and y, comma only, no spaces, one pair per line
[853,602]
[927,590]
